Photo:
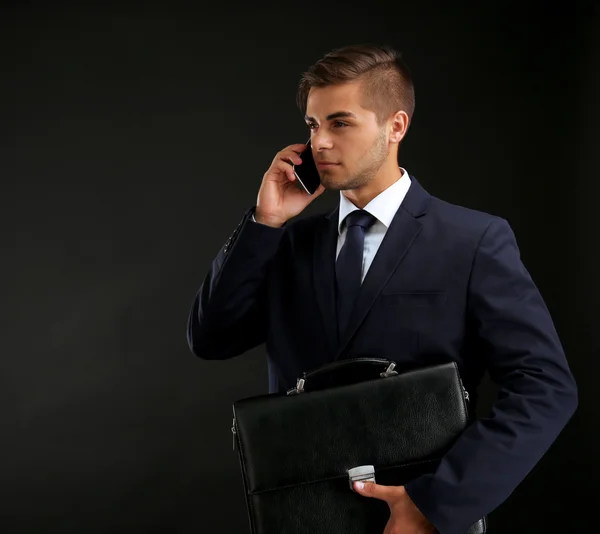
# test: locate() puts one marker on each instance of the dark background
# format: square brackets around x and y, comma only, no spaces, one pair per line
[133,140]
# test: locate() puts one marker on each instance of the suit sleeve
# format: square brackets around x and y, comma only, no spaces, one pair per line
[537,392]
[228,314]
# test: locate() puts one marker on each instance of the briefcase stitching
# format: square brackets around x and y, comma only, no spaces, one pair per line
[245,478]
[337,477]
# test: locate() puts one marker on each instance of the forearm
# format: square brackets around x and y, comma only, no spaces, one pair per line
[537,392]
[228,312]
[494,454]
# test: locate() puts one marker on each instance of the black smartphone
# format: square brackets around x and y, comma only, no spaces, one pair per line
[307,173]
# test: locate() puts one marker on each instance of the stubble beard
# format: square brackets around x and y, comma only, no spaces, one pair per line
[373,161]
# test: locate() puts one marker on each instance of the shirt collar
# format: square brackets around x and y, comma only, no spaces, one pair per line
[384,206]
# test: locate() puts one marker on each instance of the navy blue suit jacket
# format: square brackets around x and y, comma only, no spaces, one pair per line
[447,283]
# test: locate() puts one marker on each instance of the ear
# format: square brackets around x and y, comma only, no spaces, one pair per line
[398,126]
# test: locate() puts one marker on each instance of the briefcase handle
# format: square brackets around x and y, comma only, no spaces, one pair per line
[386,366]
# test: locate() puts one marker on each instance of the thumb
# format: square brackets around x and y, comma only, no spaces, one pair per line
[320,190]
[375,491]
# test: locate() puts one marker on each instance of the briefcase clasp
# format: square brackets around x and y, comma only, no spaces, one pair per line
[299,387]
[301,381]
[389,371]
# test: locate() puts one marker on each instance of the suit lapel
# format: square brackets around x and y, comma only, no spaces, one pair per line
[324,274]
[403,230]
[401,234]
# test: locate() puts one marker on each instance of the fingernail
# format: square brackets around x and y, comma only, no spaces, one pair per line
[360,485]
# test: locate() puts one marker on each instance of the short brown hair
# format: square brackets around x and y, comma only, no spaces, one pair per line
[387,82]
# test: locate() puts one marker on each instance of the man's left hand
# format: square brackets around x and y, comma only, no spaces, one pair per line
[405,517]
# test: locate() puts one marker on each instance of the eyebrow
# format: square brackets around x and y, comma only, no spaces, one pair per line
[336,115]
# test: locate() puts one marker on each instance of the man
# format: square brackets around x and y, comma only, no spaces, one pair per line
[393,273]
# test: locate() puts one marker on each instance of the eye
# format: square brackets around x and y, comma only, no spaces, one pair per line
[340,124]
[311,125]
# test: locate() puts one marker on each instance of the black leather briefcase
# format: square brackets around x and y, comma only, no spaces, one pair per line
[295,449]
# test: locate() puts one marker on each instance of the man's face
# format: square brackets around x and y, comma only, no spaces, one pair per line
[345,134]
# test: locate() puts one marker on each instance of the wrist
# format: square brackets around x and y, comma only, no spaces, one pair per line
[267,221]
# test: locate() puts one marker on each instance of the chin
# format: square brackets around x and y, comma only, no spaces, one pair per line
[332,185]
[342,185]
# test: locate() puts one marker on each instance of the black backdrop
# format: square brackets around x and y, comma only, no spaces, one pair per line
[133,139]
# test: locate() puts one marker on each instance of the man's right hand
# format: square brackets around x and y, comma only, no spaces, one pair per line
[279,198]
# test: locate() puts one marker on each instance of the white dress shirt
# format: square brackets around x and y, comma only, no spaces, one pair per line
[383,207]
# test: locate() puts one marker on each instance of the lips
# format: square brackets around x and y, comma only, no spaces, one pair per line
[326,163]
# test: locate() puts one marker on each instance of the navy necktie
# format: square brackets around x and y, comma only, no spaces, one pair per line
[348,268]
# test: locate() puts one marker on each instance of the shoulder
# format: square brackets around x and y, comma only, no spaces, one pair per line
[462,221]
[447,221]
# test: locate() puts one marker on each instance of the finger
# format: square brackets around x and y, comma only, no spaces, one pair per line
[375,491]
[290,156]
[290,153]
[298,148]
[285,168]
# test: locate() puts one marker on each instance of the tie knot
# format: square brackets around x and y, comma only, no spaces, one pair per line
[360,218]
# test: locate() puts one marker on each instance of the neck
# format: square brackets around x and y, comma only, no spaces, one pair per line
[387,175]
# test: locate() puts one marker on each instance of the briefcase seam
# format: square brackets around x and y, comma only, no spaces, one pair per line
[408,464]
[245,475]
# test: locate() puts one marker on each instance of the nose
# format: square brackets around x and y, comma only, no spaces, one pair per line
[321,141]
